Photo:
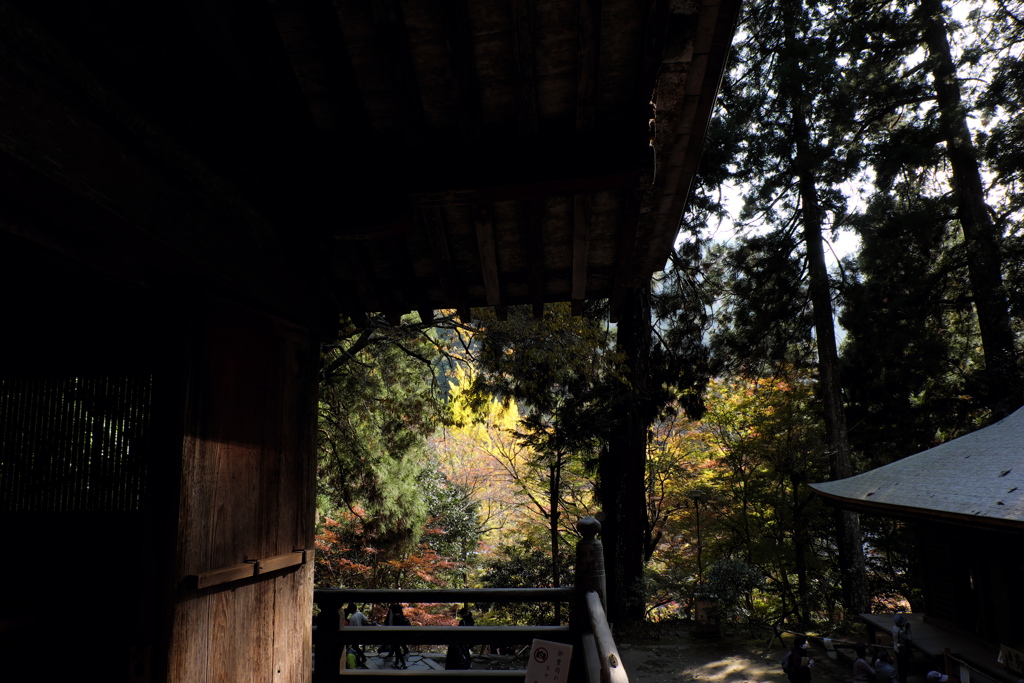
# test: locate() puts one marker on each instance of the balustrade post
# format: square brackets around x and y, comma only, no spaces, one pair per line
[329,647]
[590,574]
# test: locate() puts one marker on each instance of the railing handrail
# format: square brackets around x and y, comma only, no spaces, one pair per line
[441,595]
[588,630]
[430,635]
[612,670]
[465,675]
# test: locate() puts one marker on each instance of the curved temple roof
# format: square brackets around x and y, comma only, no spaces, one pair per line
[977,478]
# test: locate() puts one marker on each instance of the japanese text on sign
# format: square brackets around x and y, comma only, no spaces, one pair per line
[549,662]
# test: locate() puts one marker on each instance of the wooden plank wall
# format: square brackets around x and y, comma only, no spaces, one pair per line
[90,375]
[970,580]
[247,493]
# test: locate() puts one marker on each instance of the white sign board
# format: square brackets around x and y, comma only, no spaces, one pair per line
[549,662]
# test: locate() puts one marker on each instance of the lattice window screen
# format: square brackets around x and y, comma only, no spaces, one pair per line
[73,444]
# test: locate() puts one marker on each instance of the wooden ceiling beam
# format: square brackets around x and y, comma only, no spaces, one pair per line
[396,55]
[580,250]
[433,223]
[524,30]
[655,32]
[535,253]
[148,203]
[624,255]
[394,296]
[688,86]
[462,64]
[408,291]
[587,63]
[311,35]
[588,58]
[355,264]
[484,219]
[526,190]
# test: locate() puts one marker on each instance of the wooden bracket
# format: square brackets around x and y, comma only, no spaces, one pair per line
[250,568]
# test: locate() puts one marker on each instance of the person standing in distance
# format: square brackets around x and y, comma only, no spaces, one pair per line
[798,667]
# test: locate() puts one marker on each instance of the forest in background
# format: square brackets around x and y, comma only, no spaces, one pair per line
[461,453]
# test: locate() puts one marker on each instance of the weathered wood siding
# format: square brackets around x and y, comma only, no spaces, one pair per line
[971,580]
[247,493]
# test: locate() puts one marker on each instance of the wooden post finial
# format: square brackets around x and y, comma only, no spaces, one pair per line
[590,574]
[588,527]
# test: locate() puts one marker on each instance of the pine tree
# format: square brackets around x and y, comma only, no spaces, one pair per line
[789,95]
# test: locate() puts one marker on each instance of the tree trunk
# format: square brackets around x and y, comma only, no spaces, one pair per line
[623,469]
[800,560]
[984,259]
[556,569]
[851,555]
[554,485]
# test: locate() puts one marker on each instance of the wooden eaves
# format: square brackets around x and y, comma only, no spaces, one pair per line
[382,156]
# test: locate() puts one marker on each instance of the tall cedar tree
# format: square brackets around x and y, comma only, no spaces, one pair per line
[788,92]
[984,258]
[661,339]
[622,472]
[949,243]
[1003,145]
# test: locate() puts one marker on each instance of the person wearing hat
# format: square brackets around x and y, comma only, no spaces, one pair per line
[901,638]
[798,666]
[937,677]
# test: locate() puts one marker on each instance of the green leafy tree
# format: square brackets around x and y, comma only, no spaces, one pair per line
[732,581]
[445,554]
[378,404]
[767,438]
[453,531]
[524,564]
[552,368]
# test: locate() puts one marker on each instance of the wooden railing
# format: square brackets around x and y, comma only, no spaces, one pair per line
[595,657]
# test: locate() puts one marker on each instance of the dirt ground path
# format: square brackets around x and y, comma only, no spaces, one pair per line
[676,657]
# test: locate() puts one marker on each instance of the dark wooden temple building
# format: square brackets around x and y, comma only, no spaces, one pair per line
[192,194]
[965,500]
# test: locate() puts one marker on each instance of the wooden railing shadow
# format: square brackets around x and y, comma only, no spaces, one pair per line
[595,656]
